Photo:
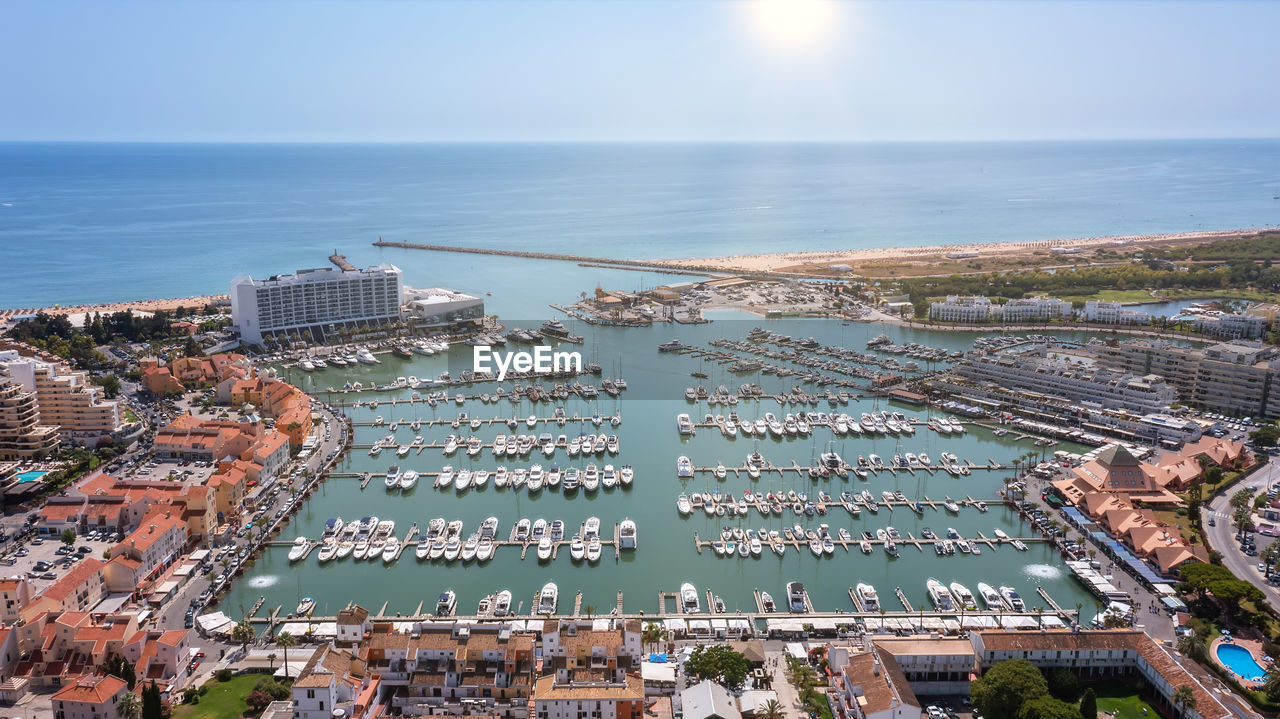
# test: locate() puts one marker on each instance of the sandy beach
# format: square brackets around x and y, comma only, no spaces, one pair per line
[936,257]
[142,306]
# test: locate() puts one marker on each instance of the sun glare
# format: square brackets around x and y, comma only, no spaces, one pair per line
[793,23]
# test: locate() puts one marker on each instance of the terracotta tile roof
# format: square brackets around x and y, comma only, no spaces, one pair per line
[882,683]
[93,690]
[546,689]
[73,580]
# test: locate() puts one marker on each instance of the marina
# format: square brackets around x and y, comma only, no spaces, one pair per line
[652,393]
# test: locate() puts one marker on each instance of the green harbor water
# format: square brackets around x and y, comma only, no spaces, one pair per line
[666,556]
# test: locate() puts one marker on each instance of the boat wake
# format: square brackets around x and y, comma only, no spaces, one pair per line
[1042,571]
[269,580]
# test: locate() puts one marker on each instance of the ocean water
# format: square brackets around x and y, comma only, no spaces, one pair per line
[88,223]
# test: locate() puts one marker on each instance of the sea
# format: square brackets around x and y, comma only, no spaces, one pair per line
[90,223]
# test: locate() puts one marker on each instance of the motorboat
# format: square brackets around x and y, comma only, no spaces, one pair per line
[305,607]
[299,549]
[684,467]
[446,603]
[591,478]
[444,480]
[484,549]
[328,550]
[609,477]
[548,598]
[390,551]
[940,595]
[469,548]
[797,599]
[766,601]
[990,596]
[408,480]
[689,599]
[867,595]
[577,548]
[682,504]
[594,549]
[392,480]
[545,545]
[1012,599]
[502,603]
[963,597]
[627,536]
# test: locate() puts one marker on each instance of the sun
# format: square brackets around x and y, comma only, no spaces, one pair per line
[793,23]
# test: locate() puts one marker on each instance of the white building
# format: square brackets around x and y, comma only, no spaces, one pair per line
[1032,309]
[1112,313]
[438,307]
[1078,380]
[315,301]
[871,685]
[961,309]
[1232,326]
[331,677]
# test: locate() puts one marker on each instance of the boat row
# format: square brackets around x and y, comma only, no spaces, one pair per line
[536,478]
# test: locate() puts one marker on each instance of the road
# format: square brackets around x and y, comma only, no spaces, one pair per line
[1222,537]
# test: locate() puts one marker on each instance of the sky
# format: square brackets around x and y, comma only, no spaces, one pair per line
[642,70]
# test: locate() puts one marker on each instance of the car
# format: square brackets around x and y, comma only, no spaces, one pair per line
[42,565]
[82,549]
[1213,522]
[1262,567]
[49,575]
[38,541]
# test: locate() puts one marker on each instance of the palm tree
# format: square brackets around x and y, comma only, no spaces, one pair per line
[1271,685]
[243,633]
[589,609]
[652,634]
[769,710]
[284,640]
[1184,698]
[129,706]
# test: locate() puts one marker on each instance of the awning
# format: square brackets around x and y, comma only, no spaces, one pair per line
[675,624]
[1018,623]
[1052,621]
[796,650]
[215,622]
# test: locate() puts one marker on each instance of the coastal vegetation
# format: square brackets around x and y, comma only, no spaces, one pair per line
[235,697]
[1016,689]
[720,663]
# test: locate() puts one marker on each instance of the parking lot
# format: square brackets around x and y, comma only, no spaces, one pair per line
[43,560]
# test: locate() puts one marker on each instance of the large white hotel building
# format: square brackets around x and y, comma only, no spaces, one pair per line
[315,301]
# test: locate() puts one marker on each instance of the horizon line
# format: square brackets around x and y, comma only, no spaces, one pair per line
[640,141]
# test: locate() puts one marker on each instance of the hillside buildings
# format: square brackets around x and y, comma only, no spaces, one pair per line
[977,309]
[314,302]
[65,400]
[590,671]
[22,436]
[1112,313]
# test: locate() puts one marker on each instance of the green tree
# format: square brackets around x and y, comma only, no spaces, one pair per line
[117,666]
[152,705]
[1192,647]
[652,634]
[1089,705]
[1271,684]
[1000,692]
[1063,684]
[68,537]
[1048,708]
[129,706]
[770,710]
[1265,436]
[110,385]
[191,348]
[284,640]
[243,634]
[719,663]
[1183,699]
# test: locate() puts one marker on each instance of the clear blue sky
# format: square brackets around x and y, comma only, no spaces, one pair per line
[443,70]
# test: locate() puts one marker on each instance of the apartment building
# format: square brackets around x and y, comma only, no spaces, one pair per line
[22,436]
[961,309]
[158,540]
[90,697]
[871,685]
[1234,378]
[330,679]
[453,670]
[80,589]
[1232,326]
[1032,309]
[590,672]
[65,398]
[315,301]
[1112,313]
[15,595]
[1074,379]
[932,666]
[1100,654]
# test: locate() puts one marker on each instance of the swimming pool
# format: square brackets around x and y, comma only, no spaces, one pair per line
[31,475]
[1241,661]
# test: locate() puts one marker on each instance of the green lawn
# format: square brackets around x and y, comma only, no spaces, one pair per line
[1123,702]
[224,700]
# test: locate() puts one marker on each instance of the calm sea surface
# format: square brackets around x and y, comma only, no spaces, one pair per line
[94,223]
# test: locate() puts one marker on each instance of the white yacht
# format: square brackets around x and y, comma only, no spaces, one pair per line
[963,596]
[548,598]
[689,599]
[298,549]
[392,480]
[990,596]
[627,535]
[1012,599]
[408,479]
[684,467]
[940,595]
[867,595]
[364,356]
[446,603]
[502,603]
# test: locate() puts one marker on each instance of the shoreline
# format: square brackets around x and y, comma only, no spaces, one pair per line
[148,305]
[781,261]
